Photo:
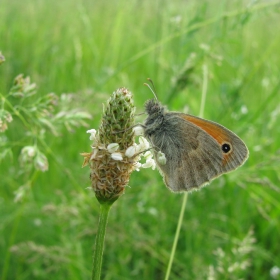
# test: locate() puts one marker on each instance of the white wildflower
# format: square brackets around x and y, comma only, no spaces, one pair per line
[113,147]
[153,211]
[244,109]
[92,134]
[274,272]
[143,143]
[20,193]
[148,155]
[137,166]
[161,158]
[138,149]
[131,151]
[138,130]
[94,153]
[37,222]
[116,156]
[149,163]
[29,151]
[41,162]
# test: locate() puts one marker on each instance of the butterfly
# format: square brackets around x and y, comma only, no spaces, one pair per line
[196,150]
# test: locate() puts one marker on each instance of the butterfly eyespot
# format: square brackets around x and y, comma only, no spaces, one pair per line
[226,148]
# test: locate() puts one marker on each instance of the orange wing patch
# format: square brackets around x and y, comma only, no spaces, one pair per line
[218,132]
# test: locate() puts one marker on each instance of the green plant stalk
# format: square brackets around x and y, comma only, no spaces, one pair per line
[185,198]
[175,241]
[99,241]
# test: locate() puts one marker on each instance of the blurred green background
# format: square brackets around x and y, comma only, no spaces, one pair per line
[90,48]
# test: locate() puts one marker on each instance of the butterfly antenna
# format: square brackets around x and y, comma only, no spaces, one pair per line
[152,88]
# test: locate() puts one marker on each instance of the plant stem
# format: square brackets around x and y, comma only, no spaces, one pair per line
[99,241]
[204,89]
[183,207]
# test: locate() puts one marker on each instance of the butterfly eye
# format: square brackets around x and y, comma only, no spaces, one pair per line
[226,148]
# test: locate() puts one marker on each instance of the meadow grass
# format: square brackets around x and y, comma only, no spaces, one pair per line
[90,48]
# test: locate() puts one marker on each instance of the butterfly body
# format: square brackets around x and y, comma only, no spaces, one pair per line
[196,150]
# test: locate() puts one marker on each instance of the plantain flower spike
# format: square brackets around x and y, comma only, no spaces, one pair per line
[110,166]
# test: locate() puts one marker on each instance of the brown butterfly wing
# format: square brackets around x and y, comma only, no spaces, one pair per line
[238,151]
[193,149]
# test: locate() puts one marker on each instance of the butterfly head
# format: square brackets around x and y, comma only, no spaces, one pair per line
[156,115]
[153,107]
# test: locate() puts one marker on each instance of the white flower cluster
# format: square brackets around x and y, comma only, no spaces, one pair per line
[31,155]
[141,149]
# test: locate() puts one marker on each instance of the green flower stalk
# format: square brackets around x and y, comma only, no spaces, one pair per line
[114,156]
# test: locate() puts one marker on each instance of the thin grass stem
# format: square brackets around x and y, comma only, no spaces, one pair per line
[204,89]
[174,246]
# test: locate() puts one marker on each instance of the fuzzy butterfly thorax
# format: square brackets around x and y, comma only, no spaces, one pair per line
[155,118]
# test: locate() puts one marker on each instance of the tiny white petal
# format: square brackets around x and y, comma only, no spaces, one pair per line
[92,134]
[274,272]
[161,158]
[91,131]
[148,155]
[149,163]
[31,151]
[41,162]
[116,156]
[146,165]
[137,166]
[137,148]
[113,147]
[143,143]
[130,151]
[244,109]
[138,130]
[94,153]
